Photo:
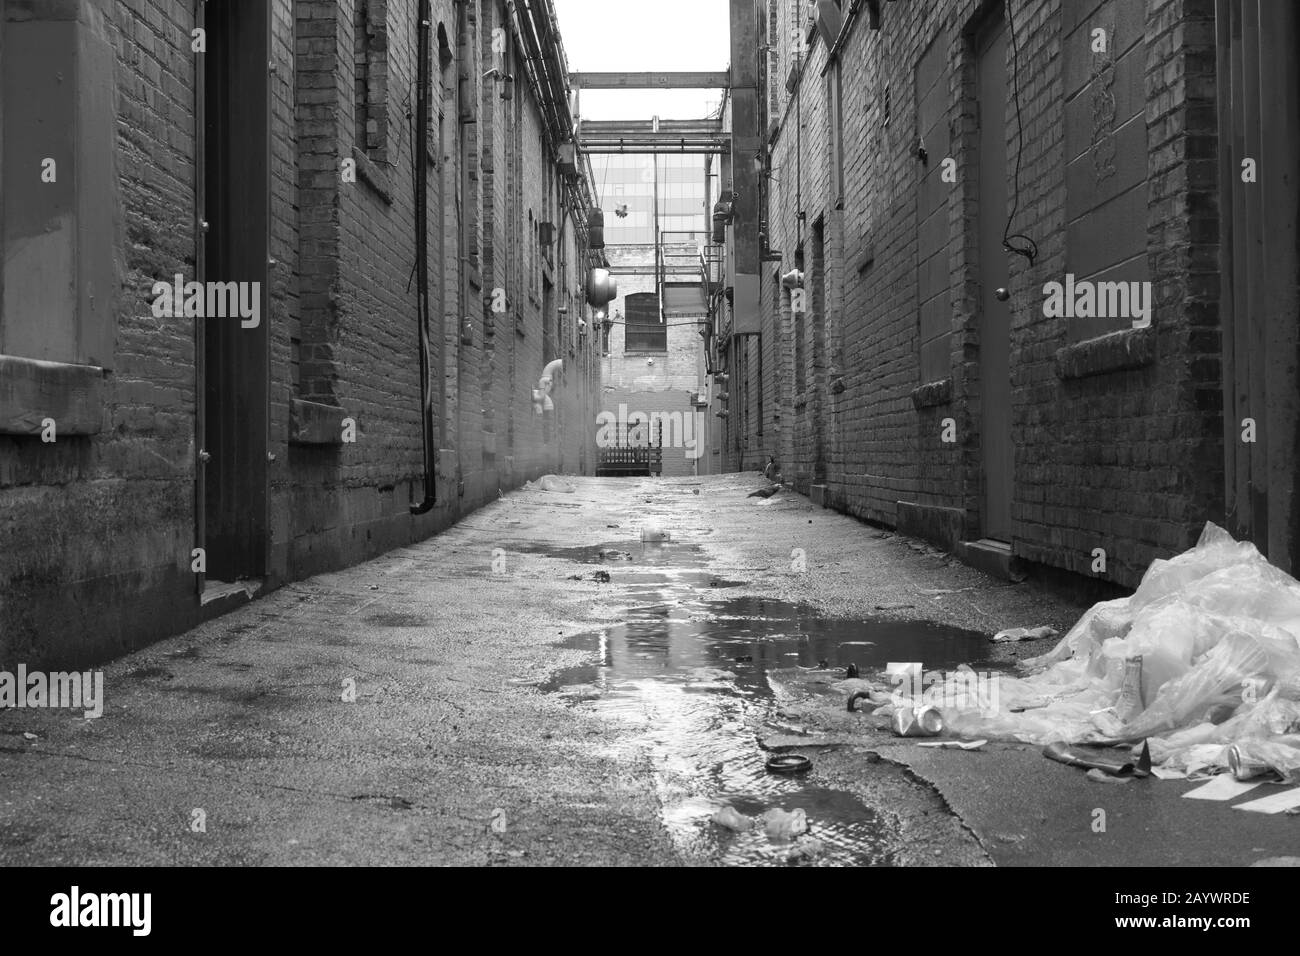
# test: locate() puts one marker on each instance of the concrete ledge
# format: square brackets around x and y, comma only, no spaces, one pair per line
[934,523]
[373,175]
[1113,352]
[311,423]
[932,393]
[992,557]
[32,391]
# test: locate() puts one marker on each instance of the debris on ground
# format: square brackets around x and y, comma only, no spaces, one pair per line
[612,554]
[954,744]
[1217,629]
[782,826]
[653,532]
[731,818]
[764,492]
[805,848]
[1116,766]
[1024,634]
[1101,776]
[917,721]
[601,577]
[555,483]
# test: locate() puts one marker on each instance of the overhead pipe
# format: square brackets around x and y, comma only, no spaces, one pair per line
[423,88]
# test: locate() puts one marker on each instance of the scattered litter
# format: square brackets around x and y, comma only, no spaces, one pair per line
[764,492]
[651,532]
[954,744]
[894,607]
[1217,630]
[805,848]
[1129,704]
[611,554]
[1100,776]
[1116,766]
[1222,787]
[911,670]
[733,819]
[611,526]
[910,721]
[788,763]
[782,826]
[851,671]
[601,576]
[1168,773]
[575,577]
[1024,634]
[554,483]
[27,735]
[1275,803]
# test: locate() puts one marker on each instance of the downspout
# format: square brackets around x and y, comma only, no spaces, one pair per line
[423,83]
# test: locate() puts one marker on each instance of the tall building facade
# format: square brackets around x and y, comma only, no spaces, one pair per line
[1029,279]
[653,370]
[286,284]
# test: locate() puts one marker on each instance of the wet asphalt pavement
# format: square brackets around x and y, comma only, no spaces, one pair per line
[540,686]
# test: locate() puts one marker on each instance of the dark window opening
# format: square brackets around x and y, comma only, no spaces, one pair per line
[645,332]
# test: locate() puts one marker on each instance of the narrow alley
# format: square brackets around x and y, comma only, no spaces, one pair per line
[796,434]
[487,697]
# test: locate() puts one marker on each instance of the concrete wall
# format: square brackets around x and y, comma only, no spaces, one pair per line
[97,528]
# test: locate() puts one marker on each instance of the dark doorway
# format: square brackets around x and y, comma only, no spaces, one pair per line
[234,193]
[995,317]
[1259,121]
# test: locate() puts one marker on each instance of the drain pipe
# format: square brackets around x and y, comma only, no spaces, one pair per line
[423,83]
[542,394]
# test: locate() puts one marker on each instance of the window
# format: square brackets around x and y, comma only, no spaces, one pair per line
[58,190]
[645,332]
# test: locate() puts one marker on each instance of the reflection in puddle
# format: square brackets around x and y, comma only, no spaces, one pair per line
[688,675]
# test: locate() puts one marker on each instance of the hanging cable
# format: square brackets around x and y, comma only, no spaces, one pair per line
[1023,245]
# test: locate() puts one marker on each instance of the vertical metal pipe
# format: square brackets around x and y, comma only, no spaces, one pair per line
[421,179]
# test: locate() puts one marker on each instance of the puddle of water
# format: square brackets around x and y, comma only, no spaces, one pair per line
[689,673]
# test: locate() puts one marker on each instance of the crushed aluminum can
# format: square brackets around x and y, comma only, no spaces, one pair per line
[912,721]
[1245,767]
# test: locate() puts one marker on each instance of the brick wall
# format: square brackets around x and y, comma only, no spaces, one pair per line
[1116,446]
[96,531]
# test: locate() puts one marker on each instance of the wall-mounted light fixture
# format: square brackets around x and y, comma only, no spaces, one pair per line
[505,79]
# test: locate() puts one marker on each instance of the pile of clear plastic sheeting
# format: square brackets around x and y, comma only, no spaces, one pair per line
[1217,632]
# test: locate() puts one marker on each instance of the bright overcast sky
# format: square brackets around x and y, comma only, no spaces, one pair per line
[602,36]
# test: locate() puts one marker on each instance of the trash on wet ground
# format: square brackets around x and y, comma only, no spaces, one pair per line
[613,554]
[654,532]
[1113,764]
[788,763]
[784,825]
[1101,776]
[1204,655]
[1024,634]
[954,744]
[912,721]
[601,577]
[733,819]
[555,483]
